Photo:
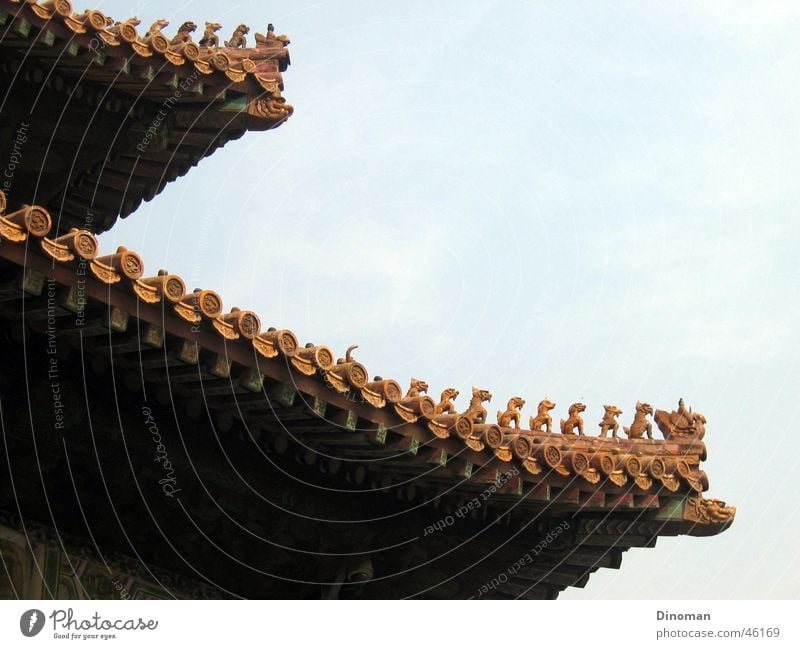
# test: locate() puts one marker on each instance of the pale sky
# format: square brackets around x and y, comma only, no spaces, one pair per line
[590,201]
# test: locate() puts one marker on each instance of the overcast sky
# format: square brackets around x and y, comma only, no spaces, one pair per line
[587,201]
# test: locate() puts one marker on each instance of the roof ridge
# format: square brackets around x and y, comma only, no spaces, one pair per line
[642,466]
[235,61]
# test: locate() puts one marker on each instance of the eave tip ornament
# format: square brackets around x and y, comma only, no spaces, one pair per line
[707,516]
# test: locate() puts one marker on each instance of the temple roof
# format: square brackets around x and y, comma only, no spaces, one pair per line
[266,382]
[102,114]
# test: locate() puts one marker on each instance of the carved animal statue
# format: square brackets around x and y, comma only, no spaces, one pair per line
[417,388]
[512,413]
[210,39]
[640,425]
[680,423]
[610,421]
[446,405]
[157,26]
[133,21]
[574,421]
[239,38]
[476,412]
[184,34]
[543,417]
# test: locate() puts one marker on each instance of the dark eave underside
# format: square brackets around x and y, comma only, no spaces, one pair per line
[299,401]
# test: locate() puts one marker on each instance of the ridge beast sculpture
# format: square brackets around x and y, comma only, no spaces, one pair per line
[446,405]
[543,417]
[157,26]
[210,38]
[239,37]
[418,388]
[512,412]
[115,27]
[184,34]
[609,421]
[640,425]
[476,413]
[574,421]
